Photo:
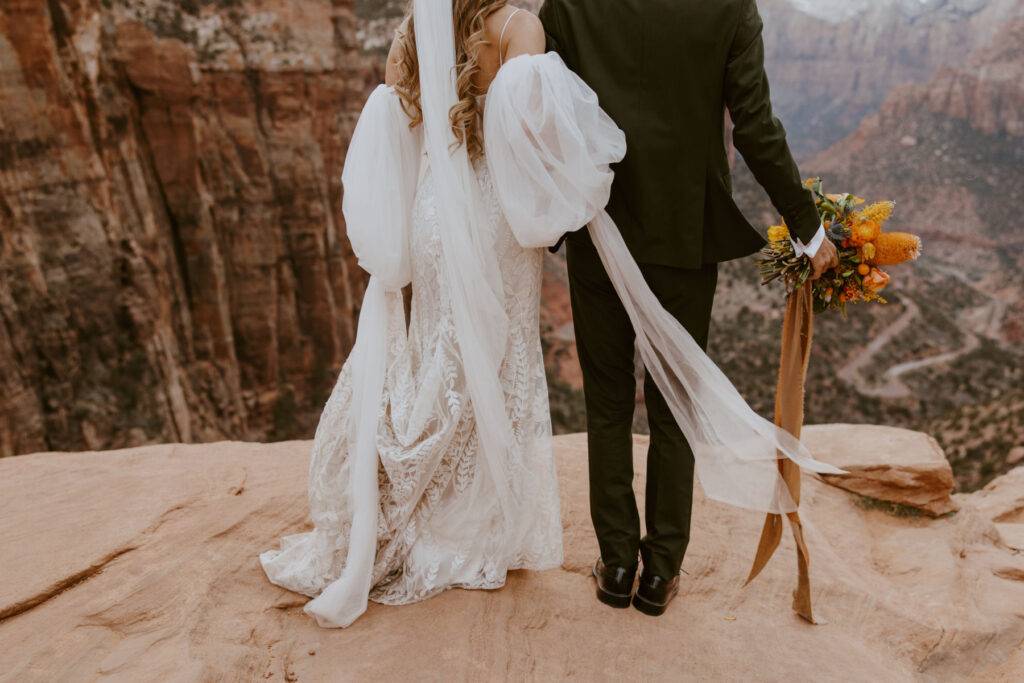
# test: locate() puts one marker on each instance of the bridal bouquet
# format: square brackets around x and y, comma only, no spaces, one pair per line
[862,246]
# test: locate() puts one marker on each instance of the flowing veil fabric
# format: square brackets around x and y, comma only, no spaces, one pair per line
[468,253]
[549,147]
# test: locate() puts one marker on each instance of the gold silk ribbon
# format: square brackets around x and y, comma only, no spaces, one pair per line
[797,330]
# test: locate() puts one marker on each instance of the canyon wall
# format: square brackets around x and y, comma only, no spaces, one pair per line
[173,260]
[951,152]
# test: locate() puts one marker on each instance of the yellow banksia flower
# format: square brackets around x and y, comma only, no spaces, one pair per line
[878,212]
[778,233]
[895,247]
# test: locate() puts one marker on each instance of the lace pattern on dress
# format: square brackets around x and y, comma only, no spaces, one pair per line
[433,532]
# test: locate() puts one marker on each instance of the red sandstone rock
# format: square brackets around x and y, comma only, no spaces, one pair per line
[886,463]
[173,261]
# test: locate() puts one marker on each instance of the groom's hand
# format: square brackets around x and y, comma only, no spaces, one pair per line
[826,257]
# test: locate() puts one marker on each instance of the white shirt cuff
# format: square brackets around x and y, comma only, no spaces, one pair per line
[812,248]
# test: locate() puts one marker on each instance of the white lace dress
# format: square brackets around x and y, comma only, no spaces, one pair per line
[432,534]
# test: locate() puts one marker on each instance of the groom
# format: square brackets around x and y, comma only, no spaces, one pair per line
[666,71]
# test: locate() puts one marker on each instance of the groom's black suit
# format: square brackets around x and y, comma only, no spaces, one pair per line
[665,71]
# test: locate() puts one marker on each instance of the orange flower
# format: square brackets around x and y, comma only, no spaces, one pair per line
[863,269]
[864,232]
[876,280]
[895,247]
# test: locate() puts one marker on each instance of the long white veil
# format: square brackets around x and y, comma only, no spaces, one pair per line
[467,249]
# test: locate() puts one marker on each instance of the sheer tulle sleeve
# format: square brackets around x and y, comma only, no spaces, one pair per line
[379,180]
[548,146]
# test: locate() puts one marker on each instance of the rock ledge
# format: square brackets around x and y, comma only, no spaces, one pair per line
[140,565]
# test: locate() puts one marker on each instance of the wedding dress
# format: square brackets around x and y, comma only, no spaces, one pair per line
[432,464]
[426,438]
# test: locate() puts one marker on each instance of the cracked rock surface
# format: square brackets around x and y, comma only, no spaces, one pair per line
[141,565]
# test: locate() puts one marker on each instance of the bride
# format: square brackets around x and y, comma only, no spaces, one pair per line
[432,464]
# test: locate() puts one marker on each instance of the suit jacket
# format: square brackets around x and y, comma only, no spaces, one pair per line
[666,71]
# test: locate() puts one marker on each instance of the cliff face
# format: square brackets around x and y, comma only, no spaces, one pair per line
[987,93]
[173,263]
[831,62]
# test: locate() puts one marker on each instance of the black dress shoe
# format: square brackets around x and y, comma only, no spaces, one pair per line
[655,593]
[614,584]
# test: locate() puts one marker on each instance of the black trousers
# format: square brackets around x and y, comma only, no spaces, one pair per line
[605,342]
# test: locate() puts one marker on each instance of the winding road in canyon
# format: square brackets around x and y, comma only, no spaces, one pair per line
[986,321]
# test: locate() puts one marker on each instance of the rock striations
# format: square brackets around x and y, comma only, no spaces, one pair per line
[173,260]
[141,564]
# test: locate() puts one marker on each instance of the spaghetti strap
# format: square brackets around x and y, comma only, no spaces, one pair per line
[501,38]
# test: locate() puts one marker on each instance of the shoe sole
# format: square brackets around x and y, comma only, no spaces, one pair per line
[611,599]
[651,609]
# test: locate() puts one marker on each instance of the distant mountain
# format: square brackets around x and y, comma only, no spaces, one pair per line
[832,62]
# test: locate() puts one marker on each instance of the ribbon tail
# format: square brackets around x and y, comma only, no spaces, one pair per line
[797,332]
[771,535]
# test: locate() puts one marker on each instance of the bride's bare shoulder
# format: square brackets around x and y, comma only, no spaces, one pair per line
[523,32]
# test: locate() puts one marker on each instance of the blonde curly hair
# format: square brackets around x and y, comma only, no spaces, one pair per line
[469,17]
